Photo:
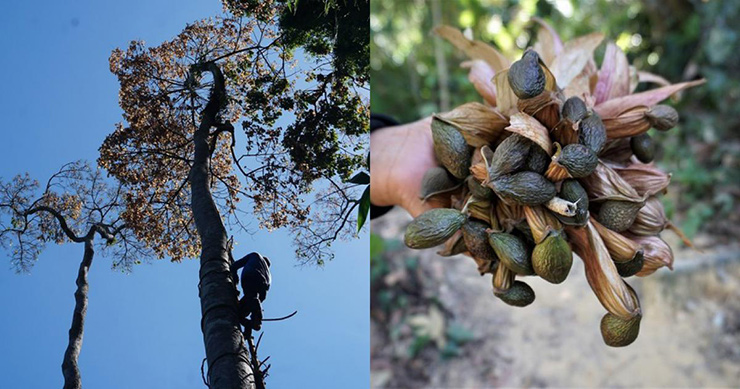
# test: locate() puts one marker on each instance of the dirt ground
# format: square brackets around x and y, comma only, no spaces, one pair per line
[689,335]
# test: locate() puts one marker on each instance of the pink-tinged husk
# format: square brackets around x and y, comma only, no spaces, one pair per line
[613,294]
[645,178]
[474,49]
[481,76]
[478,123]
[651,220]
[657,253]
[621,249]
[576,53]
[606,184]
[629,123]
[541,222]
[530,128]
[614,76]
[614,107]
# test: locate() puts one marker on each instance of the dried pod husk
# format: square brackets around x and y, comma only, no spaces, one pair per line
[572,191]
[436,181]
[537,161]
[451,149]
[605,183]
[502,279]
[518,295]
[555,171]
[617,150]
[476,240]
[574,109]
[657,253]
[621,248]
[510,156]
[645,179]
[662,117]
[619,332]
[541,222]
[545,108]
[507,215]
[478,190]
[643,147]
[433,228]
[618,215]
[526,76]
[552,258]
[601,273]
[578,160]
[524,188]
[478,123]
[629,269]
[513,252]
[480,210]
[453,246]
[592,133]
[631,122]
[530,128]
[651,219]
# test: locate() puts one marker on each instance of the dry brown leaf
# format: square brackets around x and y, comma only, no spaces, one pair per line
[576,53]
[481,76]
[601,273]
[474,49]
[649,98]
[478,123]
[529,127]
[506,100]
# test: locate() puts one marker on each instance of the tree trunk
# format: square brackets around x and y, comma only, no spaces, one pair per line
[228,361]
[70,369]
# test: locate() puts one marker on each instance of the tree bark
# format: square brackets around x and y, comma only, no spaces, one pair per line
[228,360]
[70,369]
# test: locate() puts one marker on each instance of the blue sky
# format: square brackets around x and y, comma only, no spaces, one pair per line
[143,329]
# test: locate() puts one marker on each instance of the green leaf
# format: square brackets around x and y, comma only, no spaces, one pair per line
[364,209]
[360,178]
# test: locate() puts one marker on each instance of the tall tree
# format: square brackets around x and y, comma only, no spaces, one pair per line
[76,205]
[188,167]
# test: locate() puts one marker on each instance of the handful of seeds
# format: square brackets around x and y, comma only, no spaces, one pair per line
[558,161]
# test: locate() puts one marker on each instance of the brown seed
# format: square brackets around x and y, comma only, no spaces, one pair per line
[618,332]
[662,117]
[526,77]
[451,149]
[525,188]
[592,133]
[643,147]
[578,159]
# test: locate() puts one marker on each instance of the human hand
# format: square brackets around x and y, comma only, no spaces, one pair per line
[399,157]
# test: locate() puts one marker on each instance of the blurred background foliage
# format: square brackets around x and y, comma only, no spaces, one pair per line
[414,74]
